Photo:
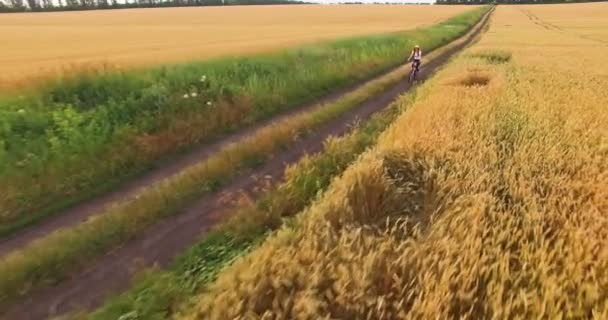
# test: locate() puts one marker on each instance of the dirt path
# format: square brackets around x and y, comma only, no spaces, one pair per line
[160,243]
[81,212]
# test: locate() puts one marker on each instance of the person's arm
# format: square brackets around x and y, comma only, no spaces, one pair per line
[411,55]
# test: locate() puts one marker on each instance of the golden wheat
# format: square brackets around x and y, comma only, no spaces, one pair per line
[41,45]
[487,199]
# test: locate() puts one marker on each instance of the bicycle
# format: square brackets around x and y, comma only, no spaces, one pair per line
[415,70]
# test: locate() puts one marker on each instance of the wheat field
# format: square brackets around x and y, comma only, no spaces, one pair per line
[40,45]
[486,199]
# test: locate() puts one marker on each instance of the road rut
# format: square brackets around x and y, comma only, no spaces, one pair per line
[159,244]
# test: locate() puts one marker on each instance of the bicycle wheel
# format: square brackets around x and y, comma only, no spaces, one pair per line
[413,75]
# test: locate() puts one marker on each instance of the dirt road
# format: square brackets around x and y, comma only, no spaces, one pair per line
[162,242]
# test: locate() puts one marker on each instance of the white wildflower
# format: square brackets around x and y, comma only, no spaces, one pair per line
[203,78]
[21,111]
[193,94]
[186,96]
[209,103]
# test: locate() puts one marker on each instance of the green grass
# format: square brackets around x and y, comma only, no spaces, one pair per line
[82,135]
[51,258]
[160,294]
[493,56]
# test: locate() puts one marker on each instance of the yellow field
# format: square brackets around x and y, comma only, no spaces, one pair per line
[35,45]
[566,37]
[487,198]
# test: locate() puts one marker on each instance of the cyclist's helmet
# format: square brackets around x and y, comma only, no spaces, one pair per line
[416,47]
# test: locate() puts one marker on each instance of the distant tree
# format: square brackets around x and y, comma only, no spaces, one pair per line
[33,4]
[88,4]
[17,5]
[72,4]
[56,5]
[47,4]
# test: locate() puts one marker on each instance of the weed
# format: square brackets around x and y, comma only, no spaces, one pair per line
[493,56]
[164,294]
[60,143]
[513,179]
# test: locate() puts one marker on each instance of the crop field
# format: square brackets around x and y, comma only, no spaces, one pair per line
[166,293]
[37,46]
[559,18]
[97,163]
[77,136]
[486,198]
[479,193]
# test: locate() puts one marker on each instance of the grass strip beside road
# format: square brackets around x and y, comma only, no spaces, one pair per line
[49,259]
[82,136]
[52,258]
[160,294]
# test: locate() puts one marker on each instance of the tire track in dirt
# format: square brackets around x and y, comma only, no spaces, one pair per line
[160,243]
[539,22]
[552,27]
[84,210]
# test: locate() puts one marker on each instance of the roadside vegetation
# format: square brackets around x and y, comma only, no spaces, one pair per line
[47,258]
[485,199]
[163,294]
[80,136]
[51,258]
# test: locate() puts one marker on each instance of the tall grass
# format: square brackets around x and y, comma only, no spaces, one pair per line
[165,294]
[162,294]
[481,201]
[87,133]
[51,258]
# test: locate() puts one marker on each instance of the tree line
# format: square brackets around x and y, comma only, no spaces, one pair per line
[68,5]
[73,5]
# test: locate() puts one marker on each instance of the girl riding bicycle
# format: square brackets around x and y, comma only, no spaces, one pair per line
[416,55]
